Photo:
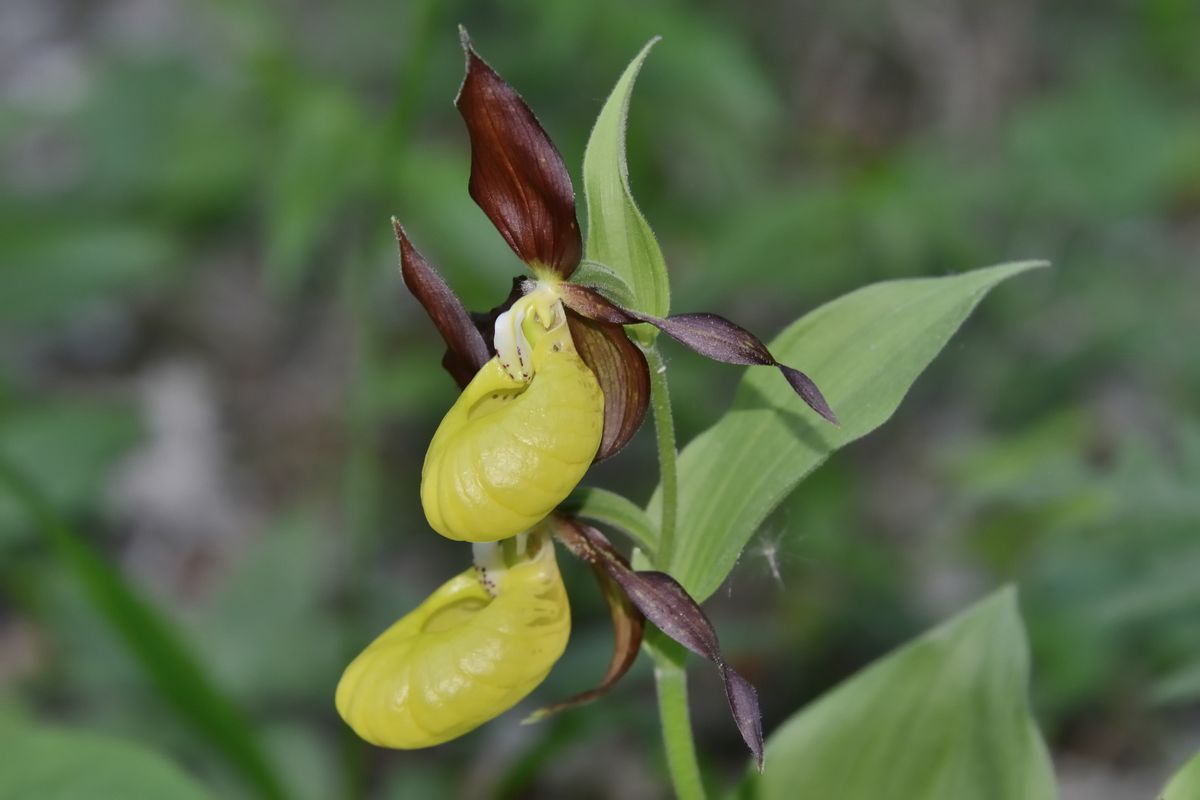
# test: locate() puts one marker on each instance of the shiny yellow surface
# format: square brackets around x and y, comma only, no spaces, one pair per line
[461,658]
[509,451]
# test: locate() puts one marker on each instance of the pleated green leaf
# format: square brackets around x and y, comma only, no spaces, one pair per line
[864,350]
[945,717]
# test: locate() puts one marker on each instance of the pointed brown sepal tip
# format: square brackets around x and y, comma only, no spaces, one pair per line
[809,393]
[466,349]
[518,177]
[743,704]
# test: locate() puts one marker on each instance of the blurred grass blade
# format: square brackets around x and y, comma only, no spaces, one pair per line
[1186,783]
[173,670]
[618,236]
[50,764]
[864,350]
[946,717]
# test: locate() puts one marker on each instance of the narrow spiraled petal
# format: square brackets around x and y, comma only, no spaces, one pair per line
[675,613]
[510,450]
[463,657]
[629,625]
[620,368]
[517,175]
[466,350]
[707,334]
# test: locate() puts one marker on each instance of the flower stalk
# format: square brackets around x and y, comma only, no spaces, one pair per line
[670,681]
[664,435]
[670,660]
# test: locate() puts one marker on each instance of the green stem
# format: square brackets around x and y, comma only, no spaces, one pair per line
[664,429]
[670,660]
[670,677]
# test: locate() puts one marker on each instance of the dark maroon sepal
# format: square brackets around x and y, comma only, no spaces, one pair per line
[708,334]
[628,628]
[620,369]
[466,349]
[675,613]
[517,175]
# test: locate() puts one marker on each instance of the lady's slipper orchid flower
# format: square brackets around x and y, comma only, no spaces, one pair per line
[475,648]
[551,383]
[520,436]
[519,180]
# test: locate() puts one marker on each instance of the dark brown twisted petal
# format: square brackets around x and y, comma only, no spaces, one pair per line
[675,613]
[628,627]
[620,368]
[466,350]
[517,175]
[708,334]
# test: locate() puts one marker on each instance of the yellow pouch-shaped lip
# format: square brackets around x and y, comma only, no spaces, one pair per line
[461,658]
[509,451]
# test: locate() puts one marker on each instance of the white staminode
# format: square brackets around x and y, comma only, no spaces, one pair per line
[491,561]
[513,348]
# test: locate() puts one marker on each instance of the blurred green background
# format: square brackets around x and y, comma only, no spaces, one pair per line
[210,371]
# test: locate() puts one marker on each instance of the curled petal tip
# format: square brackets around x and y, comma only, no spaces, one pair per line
[401,236]
[466,349]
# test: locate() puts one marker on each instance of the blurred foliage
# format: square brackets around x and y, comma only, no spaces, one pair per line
[79,765]
[210,185]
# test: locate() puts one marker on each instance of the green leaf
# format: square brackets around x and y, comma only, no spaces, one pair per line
[1186,783]
[610,284]
[945,717]
[175,672]
[617,511]
[66,765]
[864,350]
[618,235]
